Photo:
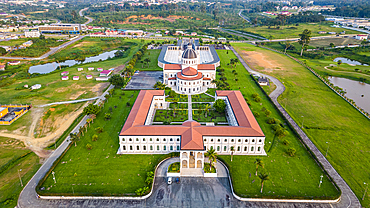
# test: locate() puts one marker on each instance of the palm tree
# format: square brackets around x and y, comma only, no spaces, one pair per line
[81,130]
[264,177]
[232,150]
[74,138]
[206,108]
[259,163]
[174,110]
[92,116]
[85,127]
[212,156]
[89,120]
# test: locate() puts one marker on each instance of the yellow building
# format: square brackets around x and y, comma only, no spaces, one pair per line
[10,113]
[3,111]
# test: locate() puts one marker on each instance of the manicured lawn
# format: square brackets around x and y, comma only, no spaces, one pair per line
[212,116]
[174,167]
[176,98]
[202,98]
[152,65]
[14,157]
[293,31]
[169,115]
[335,41]
[290,177]
[179,105]
[328,119]
[14,42]
[81,168]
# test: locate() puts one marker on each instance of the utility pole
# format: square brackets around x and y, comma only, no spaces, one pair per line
[20,179]
[54,176]
[327,149]
[365,191]
[302,121]
[320,180]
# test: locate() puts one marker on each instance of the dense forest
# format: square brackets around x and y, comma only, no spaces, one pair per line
[351,11]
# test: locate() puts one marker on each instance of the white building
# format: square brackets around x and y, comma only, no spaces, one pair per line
[31,33]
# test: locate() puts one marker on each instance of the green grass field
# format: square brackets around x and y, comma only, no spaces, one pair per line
[14,157]
[13,42]
[81,168]
[335,41]
[169,115]
[152,65]
[290,177]
[327,118]
[293,31]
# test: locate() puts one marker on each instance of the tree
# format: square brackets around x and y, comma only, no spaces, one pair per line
[99,129]
[291,151]
[106,96]
[232,150]
[332,45]
[89,120]
[91,109]
[159,86]
[92,116]
[340,62]
[267,113]
[206,109]
[147,60]
[74,138]
[304,39]
[95,137]
[220,105]
[259,163]
[264,177]
[2,51]
[116,80]
[81,130]
[212,156]
[287,45]
[89,146]
[107,116]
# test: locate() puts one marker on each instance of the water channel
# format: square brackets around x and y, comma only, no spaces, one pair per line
[349,61]
[357,91]
[49,67]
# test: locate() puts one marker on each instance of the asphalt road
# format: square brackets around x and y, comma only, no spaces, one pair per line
[89,19]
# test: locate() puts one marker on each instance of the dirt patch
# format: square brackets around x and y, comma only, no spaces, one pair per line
[259,59]
[76,95]
[81,44]
[98,89]
[132,19]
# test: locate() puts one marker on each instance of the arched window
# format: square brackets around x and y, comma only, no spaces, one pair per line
[144,147]
[218,148]
[171,148]
[232,140]
[137,139]
[130,147]
[238,148]
[252,148]
[143,139]
[259,149]
[157,139]
[252,140]
[225,148]
[245,149]
[137,147]
[130,140]
[178,147]
[225,140]
[124,147]
[246,140]
[260,140]
[164,147]
[158,147]
[123,139]
[151,147]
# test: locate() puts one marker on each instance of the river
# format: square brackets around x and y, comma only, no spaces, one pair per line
[49,67]
[357,91]
[349,61]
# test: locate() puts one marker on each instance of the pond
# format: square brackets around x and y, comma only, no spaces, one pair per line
[49,67]
[349,61]
[357,91]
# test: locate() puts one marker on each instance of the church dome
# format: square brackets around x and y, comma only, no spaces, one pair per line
[189,54]
[189,71]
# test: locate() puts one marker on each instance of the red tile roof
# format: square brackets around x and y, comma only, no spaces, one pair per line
[206,78]
[172,67]
[206,67]
[191,132]
[171,78]
[189,71]
[180,76]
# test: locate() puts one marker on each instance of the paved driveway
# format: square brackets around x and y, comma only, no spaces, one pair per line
[144,80]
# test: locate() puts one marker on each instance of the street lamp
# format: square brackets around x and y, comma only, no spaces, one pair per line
[54,176]
[365,191]
[20,179]
[302,121]
[327,149]
[320,180]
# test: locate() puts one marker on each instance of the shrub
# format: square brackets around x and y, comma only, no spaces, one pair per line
[263,109]
[220,105]
[254,95]
[257,99]
[95,137]
[271,121]
[281,132]
[256,115]
[291,152]
[99,129]
[267,113]
[285,142]
[75,174]
[128,104]
[89,146]
[107,116]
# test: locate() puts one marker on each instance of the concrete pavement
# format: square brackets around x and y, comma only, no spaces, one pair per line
[70,101]
[348,198]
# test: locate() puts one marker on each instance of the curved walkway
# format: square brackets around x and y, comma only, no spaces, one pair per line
[68,102]
[348,198]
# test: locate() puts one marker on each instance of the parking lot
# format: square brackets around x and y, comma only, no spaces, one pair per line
[144,80]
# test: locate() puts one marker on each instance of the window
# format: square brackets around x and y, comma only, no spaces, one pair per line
[218,148]
[211,140]
[130,140]
[260,140]
[225,148]
[130,147]
[252,148]
[157,147]
[150,139]
[225,140]
[245,149]
[137,139]
[218,140]
[252,140]
[239,140]
[171,148]
[157,139]
[178,139]
[178,147]
[205,140]
[259,149]
[123,139]
[137,147]
[171,140]
[124,147]
[164,140]
[211,147]
[151,147]
[164,147]
[144,147]
[246,141]
[238,148]
[232,140]
[143,139]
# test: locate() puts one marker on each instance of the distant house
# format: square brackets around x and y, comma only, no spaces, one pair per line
[193,34]
[80,69]
[322,32]
[361,37]
[27,44]
[89,76]
[31,33]
[36,86]
[342,33]
[332,33]
[76,78]
[90,68]
[111,32]
[102,78]
[64,73]
[2,67]
[105,73]
[65,78]
[158,35]
[263,81]
[7,48]
[14,62]
[99,69]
